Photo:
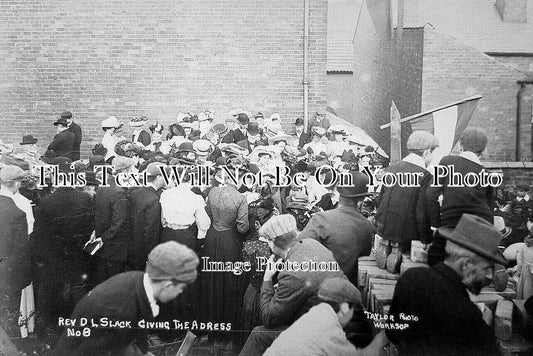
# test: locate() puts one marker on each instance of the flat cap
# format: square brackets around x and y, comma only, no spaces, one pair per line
[277,226]
[473,140]
[66,115]
[10,173]
[122,163]
[421,140]
[339,290]
[172,260]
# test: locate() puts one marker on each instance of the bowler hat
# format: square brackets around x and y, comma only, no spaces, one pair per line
[243,119]
[253,128]
[476,235]
[99,150]
[339,290]
[299,122]
[358,188]
[66,115]
[186,147]
[220,129]
[28,140]
[61,121]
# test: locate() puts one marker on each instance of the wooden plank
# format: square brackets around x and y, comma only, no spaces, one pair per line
[395,134]
[486,298]
[503,320]
[507,293]
[376,282]
[377,288]
[381,298]
[7,347]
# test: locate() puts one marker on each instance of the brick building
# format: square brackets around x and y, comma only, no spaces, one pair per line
[155,58]
[426,53]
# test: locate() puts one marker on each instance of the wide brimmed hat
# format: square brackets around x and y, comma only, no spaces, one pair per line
[28,140]
[186,147]
[499,224]
[186,125]
[203,147]
[476,235]
[358,188]
[138,121]
[275,139]
[317,130]
[99,150]
[269,150]
[338,129]
[232,149]
[61,121]
[220,129]
[111,121]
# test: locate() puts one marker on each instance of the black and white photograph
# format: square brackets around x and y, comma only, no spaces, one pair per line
[266,177]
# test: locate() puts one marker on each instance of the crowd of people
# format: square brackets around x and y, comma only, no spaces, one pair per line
[122,250]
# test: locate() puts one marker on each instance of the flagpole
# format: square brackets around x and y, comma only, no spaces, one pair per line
[412,117]
[395,134]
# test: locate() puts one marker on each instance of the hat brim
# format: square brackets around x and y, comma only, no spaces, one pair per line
[136,123]
[346,194]
[60,123]
[29,143]
[448,234]
[275,139]
[506,232]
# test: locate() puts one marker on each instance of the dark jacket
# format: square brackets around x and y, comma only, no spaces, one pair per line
[345,232]
[250,147]
[459,200]
[76,130]
[121,298]
[63,144]
[144,138]
[145,220]
[303,139]
[448,322]
[112,222]
[14,252]
[296,291]
[64,222]
[401,214]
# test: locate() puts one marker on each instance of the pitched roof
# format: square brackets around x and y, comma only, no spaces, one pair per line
[474,22]
[341,26]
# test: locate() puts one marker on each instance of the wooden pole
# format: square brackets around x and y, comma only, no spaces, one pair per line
[395,134]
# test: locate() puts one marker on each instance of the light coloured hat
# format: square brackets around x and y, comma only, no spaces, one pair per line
[339,290]
[122,163]
[277,226]
[172,260]
[422,140]
[111,121]
[12,173]
[138,121]
[203,147]
[280,137]
[153,169]
[269,150]
[181,116]
[203,116]
[317,130]
[275,116]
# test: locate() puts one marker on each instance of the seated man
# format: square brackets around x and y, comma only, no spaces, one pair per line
[297,290]
[128,298]
[320,330]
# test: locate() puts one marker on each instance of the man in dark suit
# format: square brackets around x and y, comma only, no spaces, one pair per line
[448,322]
[63,224]
[145,219]
[401,213]
[14,253]
[239,133]
[253,138]
[64,142]
[76,130]
[303,137]
[129,298]
[344,230]
[111,209]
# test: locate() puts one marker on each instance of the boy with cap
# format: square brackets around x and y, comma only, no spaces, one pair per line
[320,330]
[401,214]
[126,299]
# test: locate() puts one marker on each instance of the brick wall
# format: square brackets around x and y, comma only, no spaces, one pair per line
[385,69]
[340,94]
[514,173]
[453,71]
[155,58]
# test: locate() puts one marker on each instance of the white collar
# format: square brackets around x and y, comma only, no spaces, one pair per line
[525,198]
[6,193]
[150,294]
[471,156]
[415,159]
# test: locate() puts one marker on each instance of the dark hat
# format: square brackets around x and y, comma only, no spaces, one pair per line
[253,128]
[259,114]
[66,115]
[186,147]
[99,150]
[28,140]
[63,163]
[476,235]
[96,160]
[61,121]
[243,118]
[220,129]
[359,187]
[299,122]
[172,260]
[348,156]
[522,187]
[473,140]
[339,290]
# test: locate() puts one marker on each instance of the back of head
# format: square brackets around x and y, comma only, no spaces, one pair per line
[473,140]
[172,261]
